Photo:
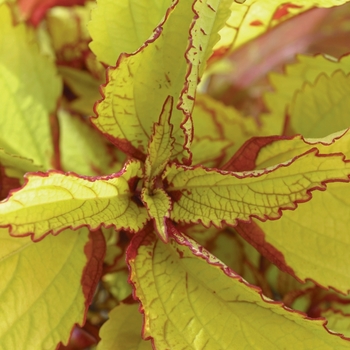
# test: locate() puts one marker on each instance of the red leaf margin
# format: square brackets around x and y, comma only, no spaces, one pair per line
[147,237]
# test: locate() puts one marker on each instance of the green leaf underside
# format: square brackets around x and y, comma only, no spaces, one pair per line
[305,71]
[41,291]
[158,205]
[161,144]
[122,331]
[190,300]
[27,88]
[50,202]
[215,197]
[320,227]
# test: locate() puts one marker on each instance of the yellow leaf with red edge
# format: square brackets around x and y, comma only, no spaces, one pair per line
[122,331]
[46,287]
[169,63]
[160,145]
[51,202]
[29,86]
[306,70]
[219,197]
[302,238]
[190,300]
[337,321]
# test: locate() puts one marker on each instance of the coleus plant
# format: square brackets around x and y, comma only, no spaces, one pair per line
[218,218]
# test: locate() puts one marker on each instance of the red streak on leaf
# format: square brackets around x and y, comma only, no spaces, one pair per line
[7,183]
[254,235]
[82,338]
[35,10]
[55,132]
[95,251]
[144,237]
[256,23]
[283,10]
[244,159]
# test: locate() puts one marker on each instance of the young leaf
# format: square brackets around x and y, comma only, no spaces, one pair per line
[123,26]
[122,331]
[218,197]
[158,205]
[27,89]
[161,144]
[46,287]
[51,202]
[322,108]
[190,300]
[337,321]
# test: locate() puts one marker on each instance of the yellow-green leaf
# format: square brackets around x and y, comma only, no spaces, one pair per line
[42,295]
[123,26]
[51,202]
[123,330]
[161,144]
[337,321]
[128,111]
[306,70]
[219,131]
[321,108]
[16,166]
[158,205]
[217,197]
[190,300]
[82,149]
[29,86]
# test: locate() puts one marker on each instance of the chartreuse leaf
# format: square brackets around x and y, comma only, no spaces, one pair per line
[255,17]
[28,88]
[190,300]
[161,144]
[306,70]
[168,64]
[219,131]
[82,149]
[51,202]
[46,287]
[319,227]
[84,86]
[321,108]
[123,330]
[217,197]
[123,26]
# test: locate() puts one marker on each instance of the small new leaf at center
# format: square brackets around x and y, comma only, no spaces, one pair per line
[158,205]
